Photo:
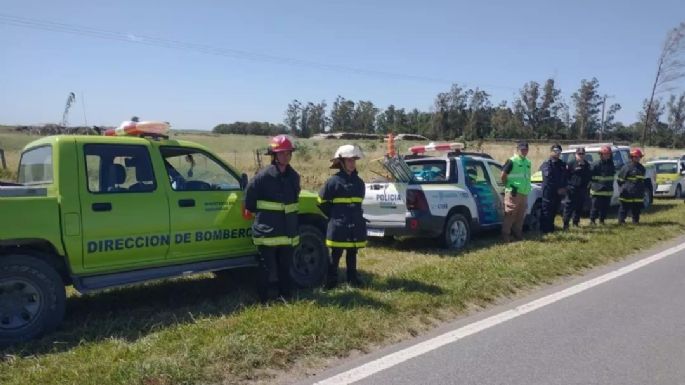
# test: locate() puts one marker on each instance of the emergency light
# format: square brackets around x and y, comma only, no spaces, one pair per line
[436,147]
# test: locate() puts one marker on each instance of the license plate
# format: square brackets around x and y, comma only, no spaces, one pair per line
[375,232]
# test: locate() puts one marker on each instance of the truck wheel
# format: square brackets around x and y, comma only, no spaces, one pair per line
[532,221]
[310,259]
[649,197]
[32,298]
[457,232]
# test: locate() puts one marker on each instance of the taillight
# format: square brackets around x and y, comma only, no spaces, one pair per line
[416,200]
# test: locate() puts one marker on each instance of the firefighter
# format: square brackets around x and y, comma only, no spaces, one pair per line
[341,200]
[631,179]
[602,186]
[516,179]
[578,171]
[553,188]
[273,195]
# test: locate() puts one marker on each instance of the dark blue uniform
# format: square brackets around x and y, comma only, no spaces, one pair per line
[579,175]
[341,200]
[273,197]
[553,178]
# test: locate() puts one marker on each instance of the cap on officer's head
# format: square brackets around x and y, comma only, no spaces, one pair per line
[522,145]
[556,147]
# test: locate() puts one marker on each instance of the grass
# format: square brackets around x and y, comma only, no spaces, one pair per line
[209,330]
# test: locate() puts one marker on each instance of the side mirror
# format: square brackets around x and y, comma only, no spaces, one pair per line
[682,172]
[243,181]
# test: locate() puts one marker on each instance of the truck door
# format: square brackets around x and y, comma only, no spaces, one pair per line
[125,214]
[206,204]
[484,191]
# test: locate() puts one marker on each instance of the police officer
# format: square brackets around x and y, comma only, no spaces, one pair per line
[341,200]
[553,188]
[516,179]
[578,179]
[631,179]
[273,195]
[602,186]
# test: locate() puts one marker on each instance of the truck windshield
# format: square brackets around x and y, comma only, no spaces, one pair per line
[35,166]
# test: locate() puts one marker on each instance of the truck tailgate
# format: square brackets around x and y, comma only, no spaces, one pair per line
[384,206]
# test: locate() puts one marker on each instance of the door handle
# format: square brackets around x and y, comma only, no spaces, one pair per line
[103,206]
[186,203]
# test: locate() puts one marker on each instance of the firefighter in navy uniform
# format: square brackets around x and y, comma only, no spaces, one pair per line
[602,185]
[341,200]
[553,188]
[578,178]
[273,196]
[631,179]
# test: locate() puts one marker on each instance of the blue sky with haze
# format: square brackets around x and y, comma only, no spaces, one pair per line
[224,61]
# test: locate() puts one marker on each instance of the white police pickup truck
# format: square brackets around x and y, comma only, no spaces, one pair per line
[447,196]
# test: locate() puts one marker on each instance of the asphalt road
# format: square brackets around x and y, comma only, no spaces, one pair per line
[629,330]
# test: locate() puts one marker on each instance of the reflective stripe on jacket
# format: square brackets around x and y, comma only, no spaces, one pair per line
[603,178]
[273,197]
[341,200]
[631,178]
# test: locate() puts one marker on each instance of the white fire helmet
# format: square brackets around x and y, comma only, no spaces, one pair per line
[346,151]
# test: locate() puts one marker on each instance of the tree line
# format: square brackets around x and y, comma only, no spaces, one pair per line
[539,111]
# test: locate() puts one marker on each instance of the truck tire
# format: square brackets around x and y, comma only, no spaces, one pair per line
[532,221]
[310,259]
[32,298]
[648,199]
[457,232]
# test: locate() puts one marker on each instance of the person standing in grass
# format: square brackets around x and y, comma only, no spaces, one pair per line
[273,194]
[516,179]
[602,186]
[341,200]
[631,179]
[554,177]
[578,178]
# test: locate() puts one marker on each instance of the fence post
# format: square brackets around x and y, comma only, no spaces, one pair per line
[2,158]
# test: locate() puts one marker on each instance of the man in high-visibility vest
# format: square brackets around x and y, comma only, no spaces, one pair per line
[602,185]
[516,179]
[273,196]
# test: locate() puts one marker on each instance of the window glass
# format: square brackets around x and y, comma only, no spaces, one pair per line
[476,173]
[112,168]
[35,166]
[666,168]
[434,171]
[496,172]
[194,170]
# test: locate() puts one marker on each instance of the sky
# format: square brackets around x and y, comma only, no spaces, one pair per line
[200,63]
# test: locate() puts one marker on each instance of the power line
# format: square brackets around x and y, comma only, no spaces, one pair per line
[84,31]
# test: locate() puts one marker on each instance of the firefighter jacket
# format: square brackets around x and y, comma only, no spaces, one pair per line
[341,200]
[631,178]
[603,178]
[579,175]
[273,197]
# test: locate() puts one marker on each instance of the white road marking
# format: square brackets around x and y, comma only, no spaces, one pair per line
[390,360]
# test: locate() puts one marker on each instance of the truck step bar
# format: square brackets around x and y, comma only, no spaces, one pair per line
[105,281]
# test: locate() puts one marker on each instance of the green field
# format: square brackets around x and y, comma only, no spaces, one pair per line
[209,330]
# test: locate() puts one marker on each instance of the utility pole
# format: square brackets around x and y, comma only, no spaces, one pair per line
[604,102]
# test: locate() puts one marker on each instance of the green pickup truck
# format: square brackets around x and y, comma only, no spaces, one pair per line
[97,212]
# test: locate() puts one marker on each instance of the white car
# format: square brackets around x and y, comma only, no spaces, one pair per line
[448,196]
[670,179]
